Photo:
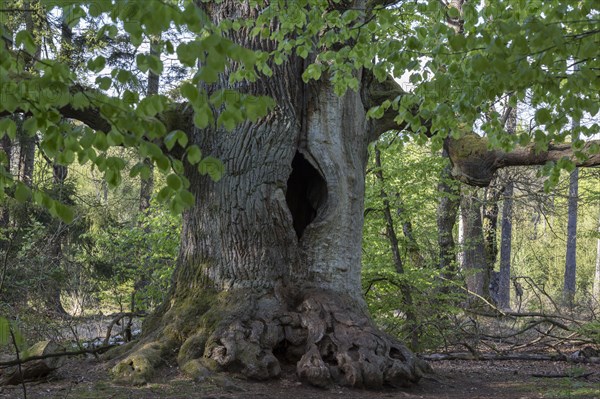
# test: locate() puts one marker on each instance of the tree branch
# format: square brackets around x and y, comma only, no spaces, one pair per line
[18,361]
[89,115]
[473,163]
[374,94]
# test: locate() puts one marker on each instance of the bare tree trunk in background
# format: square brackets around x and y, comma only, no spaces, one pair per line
[411,242]
[146,189]
[596,288]
[475,259]
[506,235]
[447,210]
[490,212]
[571,255]
[570,259]
[147,184]
[411,319]
[449,191]
[27,139]
[505,248]
[53,288]
[6,148]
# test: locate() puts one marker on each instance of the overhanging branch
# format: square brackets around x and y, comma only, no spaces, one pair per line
[473,163]
[176,116]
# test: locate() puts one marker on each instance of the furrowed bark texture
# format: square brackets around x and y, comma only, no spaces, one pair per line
[269,267]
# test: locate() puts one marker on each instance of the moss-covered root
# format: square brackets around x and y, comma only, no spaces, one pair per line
[138,367]
[344,347]
[239,334]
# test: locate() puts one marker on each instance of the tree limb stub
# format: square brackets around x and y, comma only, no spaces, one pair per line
[374,94]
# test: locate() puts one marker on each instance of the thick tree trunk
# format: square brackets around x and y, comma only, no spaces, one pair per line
[269,266]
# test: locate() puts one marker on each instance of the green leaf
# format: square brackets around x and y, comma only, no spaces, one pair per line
[187,198]
[176,136]
[25,38]
[104,82]
[194,154]
[22,193]
[543,116]
[203,116]
[64,212]
[100,141]
[164,194]
[213,167]
[97,64]
[189,91]
[8,127]
[4,331]
[80,101]
[174,182]
[453,12]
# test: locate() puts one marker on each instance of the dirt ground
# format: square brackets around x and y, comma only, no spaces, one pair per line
[456,379]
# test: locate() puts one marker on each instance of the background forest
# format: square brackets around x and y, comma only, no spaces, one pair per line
[117,255]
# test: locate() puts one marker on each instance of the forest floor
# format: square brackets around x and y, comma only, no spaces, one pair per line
[82,378]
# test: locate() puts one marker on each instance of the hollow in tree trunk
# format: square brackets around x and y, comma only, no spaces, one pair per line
[270,256]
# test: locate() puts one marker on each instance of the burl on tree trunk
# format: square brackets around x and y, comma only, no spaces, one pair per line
[269,265]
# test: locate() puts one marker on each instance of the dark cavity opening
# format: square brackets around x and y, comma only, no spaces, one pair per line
[306,191]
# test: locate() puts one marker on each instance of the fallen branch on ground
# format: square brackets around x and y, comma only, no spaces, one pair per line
[58,354]
[507,356]
[567,375]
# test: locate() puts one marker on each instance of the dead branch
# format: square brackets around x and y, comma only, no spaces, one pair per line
[507,356]
[58,354]
[118,317]
[563,375]
[546,317]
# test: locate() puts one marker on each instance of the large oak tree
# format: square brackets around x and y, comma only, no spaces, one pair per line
[271,141]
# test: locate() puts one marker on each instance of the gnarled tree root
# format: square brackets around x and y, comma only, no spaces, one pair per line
[328,336]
